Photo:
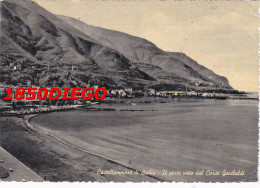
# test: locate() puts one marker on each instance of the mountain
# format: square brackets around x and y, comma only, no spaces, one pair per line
[142,51]
[53,50]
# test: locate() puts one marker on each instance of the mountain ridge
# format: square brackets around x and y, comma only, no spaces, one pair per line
[104,36]
[52,51]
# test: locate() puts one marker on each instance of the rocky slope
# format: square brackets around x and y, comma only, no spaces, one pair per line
[60,51]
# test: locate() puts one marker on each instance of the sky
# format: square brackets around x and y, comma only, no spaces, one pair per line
[222,35]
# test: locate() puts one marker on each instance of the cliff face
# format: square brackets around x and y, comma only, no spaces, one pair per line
[60,51]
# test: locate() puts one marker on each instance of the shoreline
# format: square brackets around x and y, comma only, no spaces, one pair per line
[121,146]
[55,161]
[62,161]
[27,121]
[92,107]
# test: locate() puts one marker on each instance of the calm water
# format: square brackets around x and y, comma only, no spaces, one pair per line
[178,135]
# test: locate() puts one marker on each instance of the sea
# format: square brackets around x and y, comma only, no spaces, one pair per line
[166,135]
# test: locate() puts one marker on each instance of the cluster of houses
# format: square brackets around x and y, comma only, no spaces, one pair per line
[129,93]
[183,93]
[16,66]
[122,93]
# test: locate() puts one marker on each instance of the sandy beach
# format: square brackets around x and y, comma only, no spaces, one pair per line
[80,145]
[52,160]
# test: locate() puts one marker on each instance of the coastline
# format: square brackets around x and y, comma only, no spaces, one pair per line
[52,160]
[118,140]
